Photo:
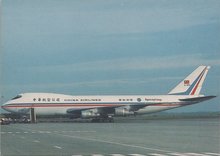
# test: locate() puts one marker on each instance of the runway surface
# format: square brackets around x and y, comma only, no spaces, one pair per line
[182,137]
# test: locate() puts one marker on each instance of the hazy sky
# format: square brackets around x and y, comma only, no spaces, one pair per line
[96,47]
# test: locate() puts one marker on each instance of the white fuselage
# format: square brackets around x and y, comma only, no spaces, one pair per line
[53,104]
[187,92]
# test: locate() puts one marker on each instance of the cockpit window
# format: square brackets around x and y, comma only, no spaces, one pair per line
[17,97]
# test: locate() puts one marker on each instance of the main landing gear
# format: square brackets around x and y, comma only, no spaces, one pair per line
[103,119]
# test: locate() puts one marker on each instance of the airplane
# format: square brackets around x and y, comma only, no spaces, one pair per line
[105,108]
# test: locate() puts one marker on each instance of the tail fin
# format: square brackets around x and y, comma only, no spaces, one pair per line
[192,84]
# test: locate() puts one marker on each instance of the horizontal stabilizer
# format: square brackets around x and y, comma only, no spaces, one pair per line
[198,99]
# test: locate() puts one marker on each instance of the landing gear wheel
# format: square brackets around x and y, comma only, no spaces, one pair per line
[96,120]
[103,120]
[110,119]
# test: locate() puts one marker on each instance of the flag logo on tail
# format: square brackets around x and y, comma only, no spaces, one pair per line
[186,83]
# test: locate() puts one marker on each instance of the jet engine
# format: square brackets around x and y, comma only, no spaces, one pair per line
[124,111]
[91,113]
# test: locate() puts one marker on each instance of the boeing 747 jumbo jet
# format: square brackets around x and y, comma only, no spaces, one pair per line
[104,108]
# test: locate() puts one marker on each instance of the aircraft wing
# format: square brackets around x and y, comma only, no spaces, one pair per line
[105,111]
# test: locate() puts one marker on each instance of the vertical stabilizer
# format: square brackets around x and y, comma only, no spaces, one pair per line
[192,84]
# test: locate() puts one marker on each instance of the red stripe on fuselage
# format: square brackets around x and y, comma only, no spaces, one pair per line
[76,105]
[61,105]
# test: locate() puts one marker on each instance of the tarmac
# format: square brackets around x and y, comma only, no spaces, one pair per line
[174,137]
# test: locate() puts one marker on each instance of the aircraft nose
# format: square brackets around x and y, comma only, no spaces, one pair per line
[6,106]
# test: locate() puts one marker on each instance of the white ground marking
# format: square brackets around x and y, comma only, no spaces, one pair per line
[48,132]
[196,154]
[178,154]
[75,131]
[155,154]
[127,145]
[116,155]
[88,131]
[57,147]
[36,141]
[97,155]
[117,143]
[216,154]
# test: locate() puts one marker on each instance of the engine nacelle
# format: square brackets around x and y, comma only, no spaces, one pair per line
[123,111]
[91,113]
